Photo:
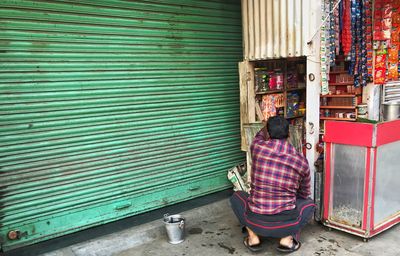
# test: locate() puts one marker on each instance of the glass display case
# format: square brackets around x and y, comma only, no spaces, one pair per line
[347,184]
[361,179]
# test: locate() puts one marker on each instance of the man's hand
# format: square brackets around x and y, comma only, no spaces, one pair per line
[266,134]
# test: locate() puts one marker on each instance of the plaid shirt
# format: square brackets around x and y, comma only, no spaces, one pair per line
[279,175]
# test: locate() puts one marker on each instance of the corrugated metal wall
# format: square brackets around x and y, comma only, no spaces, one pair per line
[110,108]
[275,28]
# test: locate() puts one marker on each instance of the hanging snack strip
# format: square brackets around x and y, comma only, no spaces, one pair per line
[357,74]
[350,26]
[380,57]
[353,37]
[379,22]
[368,33]
[380,67]
[362,64]
[395,38]
[359,41]
[336,14]
[323,51]
[386,41]
[355,30]
[393,73]
[332,35]
[346,31]
[393,51]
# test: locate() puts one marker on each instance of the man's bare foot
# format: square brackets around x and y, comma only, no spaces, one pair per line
[253,239]
[287,241]
[288,244]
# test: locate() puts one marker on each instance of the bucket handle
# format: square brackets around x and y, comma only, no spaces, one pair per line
[166,217]
[181,224]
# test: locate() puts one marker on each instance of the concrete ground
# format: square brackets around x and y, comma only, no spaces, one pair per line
[212,229]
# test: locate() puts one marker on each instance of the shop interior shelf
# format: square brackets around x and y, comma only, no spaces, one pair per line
[339,84]
[338,107]
[269,92]
[340,58]
[337,72]
[295,89]
[291,117]
[337,118]
[338,95]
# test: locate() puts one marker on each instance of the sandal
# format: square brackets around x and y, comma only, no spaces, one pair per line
[252,248]
[295,246]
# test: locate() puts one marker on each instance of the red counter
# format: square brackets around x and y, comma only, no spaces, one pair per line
[362,177]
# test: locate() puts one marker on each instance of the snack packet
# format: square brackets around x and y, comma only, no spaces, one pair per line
[393,53]
[380,75]
[393,72]
[380,61]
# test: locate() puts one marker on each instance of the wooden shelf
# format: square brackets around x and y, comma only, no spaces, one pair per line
[337,118]
[339,96]
[295,89]
[269,92]
[339,84]
[281,91]
[338,107]
[294,117]
[340,58]
[338,72]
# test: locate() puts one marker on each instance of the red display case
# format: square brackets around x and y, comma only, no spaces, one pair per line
[362,177]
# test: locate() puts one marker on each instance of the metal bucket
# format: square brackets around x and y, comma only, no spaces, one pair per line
[175,227]
[391,111]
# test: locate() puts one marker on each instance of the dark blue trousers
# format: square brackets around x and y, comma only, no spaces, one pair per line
[277,229]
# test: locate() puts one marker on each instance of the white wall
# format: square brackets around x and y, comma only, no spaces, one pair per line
[313,87]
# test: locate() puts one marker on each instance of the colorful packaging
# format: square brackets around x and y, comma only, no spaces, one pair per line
[387,21]
[279,80]
[377,33]
[380,61]
[393,71]
[346,25]
[270,104]
[395,36]
[396,19]
[393,53]
[262,76]
[272,81]
[380,75]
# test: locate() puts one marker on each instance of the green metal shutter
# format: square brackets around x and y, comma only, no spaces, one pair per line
[110,108]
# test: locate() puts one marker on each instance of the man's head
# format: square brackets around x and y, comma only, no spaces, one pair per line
[278,127]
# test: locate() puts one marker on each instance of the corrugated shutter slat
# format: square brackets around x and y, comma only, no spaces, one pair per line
[111,102]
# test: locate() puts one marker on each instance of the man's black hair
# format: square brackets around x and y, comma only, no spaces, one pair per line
[278,127]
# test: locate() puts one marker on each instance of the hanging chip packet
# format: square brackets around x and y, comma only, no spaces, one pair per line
[380,67]
[393,73]
[393,53]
